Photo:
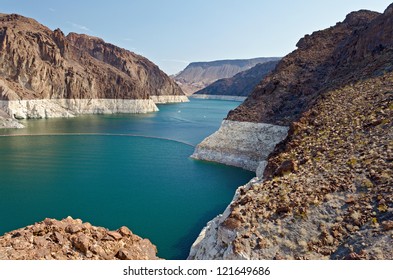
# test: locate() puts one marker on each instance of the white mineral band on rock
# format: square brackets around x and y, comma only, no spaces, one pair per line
[241,144]
[53,108]
[219,97]
[160,99]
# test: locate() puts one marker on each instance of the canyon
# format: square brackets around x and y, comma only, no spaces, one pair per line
[317,131]
[44,74]
[239,86]
[198,75]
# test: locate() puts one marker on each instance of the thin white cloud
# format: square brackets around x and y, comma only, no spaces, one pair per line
[79,26]
[52,10]
[128,39]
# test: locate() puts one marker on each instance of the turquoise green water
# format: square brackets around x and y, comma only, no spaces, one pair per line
[94,168]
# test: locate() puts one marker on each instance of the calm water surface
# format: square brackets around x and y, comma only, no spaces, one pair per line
[115,170]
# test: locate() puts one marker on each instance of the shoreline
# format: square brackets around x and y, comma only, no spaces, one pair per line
[14,110]
[219,97]
[241,144]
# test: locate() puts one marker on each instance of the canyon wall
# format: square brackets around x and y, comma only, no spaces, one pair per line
[44,73]
[240,85]
[326,189]
[198,75]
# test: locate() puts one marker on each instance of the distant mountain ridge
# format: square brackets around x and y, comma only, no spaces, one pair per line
[241,84]
[198,75]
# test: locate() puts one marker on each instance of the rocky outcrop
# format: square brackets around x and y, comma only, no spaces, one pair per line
[198,75]
[37,63]
[71,239]
[241,144]
[240,85]
[326,190]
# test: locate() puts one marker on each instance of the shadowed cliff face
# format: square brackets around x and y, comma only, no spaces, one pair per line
[323,60]
[37,63]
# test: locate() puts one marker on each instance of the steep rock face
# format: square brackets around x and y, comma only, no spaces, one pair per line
[198,75]
[326,191]
[71,239]
[37,63]
[241,84]
[300,76]
[136,67]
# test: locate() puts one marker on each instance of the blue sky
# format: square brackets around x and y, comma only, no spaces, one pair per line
[173,33]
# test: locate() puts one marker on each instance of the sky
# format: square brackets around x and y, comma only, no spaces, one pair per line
[173,33]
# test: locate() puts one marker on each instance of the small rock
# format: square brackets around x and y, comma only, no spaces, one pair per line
[41,253]
[40,241]
[387,225]
[98,250]
[115,235]
[58,237]
[287,166]
[20,244]
[48,222]
[124,254]
[81,243]
[15,235]
[73,229]
[125,231]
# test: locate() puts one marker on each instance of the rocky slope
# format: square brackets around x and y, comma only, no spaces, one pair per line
[242,84]
[327,188]
[321,61]
[198,75]
[71,239]
[44,66]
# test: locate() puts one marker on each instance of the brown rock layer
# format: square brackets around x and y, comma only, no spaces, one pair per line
[38,63]
[71,239]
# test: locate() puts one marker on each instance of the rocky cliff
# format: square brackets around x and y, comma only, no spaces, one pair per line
[242,84]
[326,191]
[198,75]
[71,239]
[45,69]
